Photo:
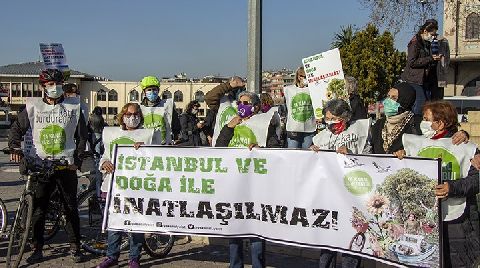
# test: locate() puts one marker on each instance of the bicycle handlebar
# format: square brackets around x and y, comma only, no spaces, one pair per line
[45,166]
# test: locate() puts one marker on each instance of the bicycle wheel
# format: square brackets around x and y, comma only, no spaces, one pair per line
[91,218]
[53,217]
[20,232]
[158,245]
[3,217]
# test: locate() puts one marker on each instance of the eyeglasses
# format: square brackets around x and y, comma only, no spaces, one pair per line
[243,102]
[302,76]
[130,114]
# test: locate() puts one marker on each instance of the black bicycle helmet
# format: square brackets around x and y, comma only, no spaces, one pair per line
[50,75]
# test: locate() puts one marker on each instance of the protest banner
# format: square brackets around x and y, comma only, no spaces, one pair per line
[325,78]
[455,165]
[54,57]
[346,203]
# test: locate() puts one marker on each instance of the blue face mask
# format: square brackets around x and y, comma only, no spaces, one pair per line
[390,107]
[152,95]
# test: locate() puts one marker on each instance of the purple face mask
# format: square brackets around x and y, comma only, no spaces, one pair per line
[266,108]
[245,110]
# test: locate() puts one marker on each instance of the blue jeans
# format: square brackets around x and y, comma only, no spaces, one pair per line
[301,141]
[420,99]
[328,259]
[257,248]
[114,240]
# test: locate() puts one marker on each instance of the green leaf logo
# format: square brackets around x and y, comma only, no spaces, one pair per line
[120,141]
[242,137]
[156,122]
[226,115]
[52,139]
[302,108]
[450,164]
[358,182]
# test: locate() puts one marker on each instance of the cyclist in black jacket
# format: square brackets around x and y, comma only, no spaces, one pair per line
[58,130]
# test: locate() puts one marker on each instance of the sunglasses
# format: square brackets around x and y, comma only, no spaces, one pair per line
[243,102]
[130,114]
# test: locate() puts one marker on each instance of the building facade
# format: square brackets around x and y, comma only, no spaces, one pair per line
[462,30]
[19,81]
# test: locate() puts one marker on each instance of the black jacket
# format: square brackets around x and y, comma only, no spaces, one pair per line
[377,140]
[96,123]
[359,110]
[421,68]
[189,133]
[226,134]
[22,124]
[461,236]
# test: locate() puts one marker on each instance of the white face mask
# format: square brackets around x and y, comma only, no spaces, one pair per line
[54,91]
[426,128]
[305,82]
[131,121]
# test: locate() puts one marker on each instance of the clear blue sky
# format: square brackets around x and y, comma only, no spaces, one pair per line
[125,40]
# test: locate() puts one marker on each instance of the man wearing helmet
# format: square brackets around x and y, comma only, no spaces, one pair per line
[59,130]
[153,105]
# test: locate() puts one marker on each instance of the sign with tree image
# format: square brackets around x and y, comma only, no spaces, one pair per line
[322,70]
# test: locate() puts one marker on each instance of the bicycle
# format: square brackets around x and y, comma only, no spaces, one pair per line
[55,216]
[94,241]
[3,218]
[20,231]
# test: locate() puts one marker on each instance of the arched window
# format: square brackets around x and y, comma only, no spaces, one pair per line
[133,95]
[178,96]
[166,95]
[101,95]
[199,96]
[112,95]
[472,29]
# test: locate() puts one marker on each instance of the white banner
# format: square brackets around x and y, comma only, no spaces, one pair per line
[354,137]
[300,117]
[325,78]
[455,165]
[344,203]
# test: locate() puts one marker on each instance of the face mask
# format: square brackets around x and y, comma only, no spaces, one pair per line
[265,108]
[151,95]
[245,110]
[54,92]
[390,107]
[427,130]
[194,111]
[336,127]
[131,121]
[305,82]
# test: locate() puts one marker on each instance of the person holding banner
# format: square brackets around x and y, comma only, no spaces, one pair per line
[49,118]
[345,136]
[248,109]
[160,114]
[301,124]
[130,120]
[461,234]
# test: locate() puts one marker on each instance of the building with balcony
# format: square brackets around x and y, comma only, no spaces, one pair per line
[462,30]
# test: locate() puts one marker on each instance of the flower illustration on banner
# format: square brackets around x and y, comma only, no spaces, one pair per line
[377,204]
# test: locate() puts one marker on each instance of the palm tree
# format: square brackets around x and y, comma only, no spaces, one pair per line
[344,37]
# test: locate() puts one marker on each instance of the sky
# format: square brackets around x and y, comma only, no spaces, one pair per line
[126,40]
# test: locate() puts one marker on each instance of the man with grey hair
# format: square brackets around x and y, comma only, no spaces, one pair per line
[359,110]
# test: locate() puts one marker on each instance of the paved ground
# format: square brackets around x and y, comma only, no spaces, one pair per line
[183,254]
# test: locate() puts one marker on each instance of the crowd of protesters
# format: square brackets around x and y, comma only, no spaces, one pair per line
[412,106]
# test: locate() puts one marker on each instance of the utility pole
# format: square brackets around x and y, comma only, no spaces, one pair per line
[254,69]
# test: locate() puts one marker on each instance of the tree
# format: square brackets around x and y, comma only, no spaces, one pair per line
[373,60]
[396,15]
[344,37]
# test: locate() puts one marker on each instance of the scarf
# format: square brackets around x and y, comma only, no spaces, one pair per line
[393,127]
